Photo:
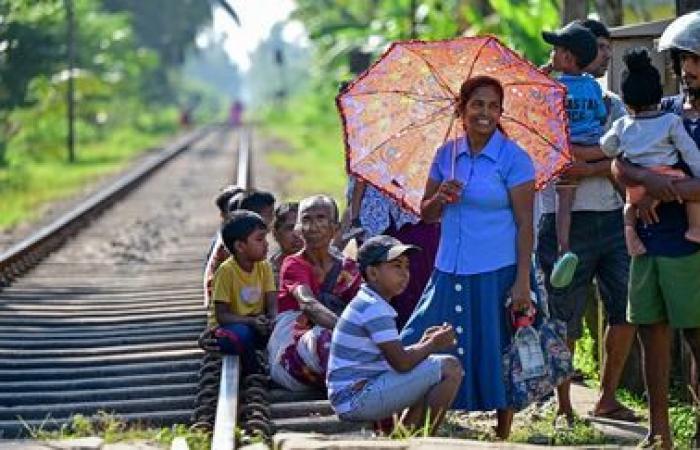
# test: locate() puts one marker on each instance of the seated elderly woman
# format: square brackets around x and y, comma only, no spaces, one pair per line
[315,285]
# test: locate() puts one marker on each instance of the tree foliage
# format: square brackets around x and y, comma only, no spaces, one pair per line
[169,29]
[123,49]
[340,27]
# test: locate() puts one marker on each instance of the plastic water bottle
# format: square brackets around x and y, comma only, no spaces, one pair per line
[527,342]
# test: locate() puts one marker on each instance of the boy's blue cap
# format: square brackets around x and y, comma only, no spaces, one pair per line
[381,248]
[577,39]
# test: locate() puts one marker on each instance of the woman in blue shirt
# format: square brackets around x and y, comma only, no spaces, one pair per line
[481,187]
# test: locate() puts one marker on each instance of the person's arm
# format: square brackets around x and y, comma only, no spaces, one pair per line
[658,186]
[403,359]
[271,305]
[436,196]
[583,169]
[358,191]
[432,204]
[522,199]
[270,291]
[438,192]
[587,152]
[224,316]
[315,310]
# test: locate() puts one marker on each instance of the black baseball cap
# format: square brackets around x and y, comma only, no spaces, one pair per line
[381,248]
[576,38]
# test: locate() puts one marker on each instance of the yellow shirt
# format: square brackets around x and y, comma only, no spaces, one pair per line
[243,291]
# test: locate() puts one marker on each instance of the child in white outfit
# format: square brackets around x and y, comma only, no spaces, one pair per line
[650,138]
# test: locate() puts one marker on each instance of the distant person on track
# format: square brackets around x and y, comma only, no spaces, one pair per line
[244,291]
[236,114]
[287,238]
[315,286]
[371,375]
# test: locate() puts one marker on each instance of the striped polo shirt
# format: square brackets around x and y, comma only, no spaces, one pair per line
[368,320]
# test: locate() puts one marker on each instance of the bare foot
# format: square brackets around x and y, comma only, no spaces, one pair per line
[693,234]
[635,247]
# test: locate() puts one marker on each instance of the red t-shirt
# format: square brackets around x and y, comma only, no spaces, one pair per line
[297,271]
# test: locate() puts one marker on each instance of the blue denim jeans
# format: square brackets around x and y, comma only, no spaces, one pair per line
[393,391]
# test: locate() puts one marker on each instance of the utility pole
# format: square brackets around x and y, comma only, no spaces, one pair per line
[70,98]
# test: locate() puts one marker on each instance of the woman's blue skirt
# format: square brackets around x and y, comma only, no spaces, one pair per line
[475,306]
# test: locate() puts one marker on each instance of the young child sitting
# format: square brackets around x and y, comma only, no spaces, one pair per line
[244,292]
[575,47]
[259,202]
[370,374]
[650,138]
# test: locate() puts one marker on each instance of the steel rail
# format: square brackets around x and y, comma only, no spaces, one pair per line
[223,437]
[26,254]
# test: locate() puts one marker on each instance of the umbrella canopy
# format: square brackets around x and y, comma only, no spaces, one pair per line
[401,110]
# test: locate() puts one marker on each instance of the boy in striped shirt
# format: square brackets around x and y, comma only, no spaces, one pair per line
[371,375]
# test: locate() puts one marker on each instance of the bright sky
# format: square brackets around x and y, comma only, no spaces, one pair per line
[257,18]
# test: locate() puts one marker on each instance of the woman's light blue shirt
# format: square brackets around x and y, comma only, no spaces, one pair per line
[479,232]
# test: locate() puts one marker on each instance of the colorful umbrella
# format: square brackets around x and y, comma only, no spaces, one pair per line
[401,110]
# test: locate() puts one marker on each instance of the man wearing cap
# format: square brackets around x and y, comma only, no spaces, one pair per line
[597,238]
[371,375]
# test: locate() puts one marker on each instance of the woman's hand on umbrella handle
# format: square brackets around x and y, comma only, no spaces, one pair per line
[449,191]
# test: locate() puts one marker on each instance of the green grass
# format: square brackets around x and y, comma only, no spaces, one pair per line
[112,429]
[27,187]
[313,152]
[543,431]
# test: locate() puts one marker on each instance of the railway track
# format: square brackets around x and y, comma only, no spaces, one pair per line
[101,310]
[108,317]
[255,404]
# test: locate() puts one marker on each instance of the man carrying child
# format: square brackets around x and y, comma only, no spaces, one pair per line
[597,238]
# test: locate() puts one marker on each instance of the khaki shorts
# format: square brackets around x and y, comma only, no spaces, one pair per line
[665,289]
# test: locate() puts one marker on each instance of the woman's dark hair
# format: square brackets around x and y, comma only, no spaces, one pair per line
[281,213]
[641,82]
[239,225]
[471,85]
